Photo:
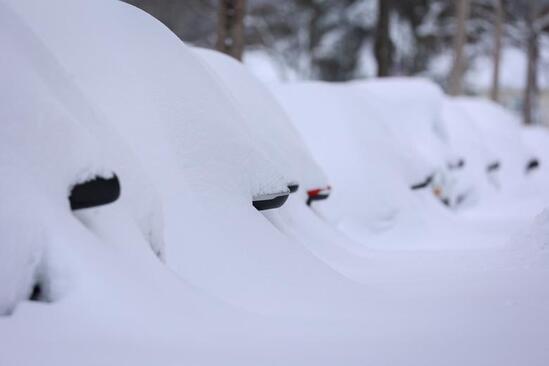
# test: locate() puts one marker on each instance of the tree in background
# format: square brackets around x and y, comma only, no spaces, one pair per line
[336,38]
[530,22]
[384,48]
[230,27]
[531,91]
[498,39]
[455,84]
[317,39]
[321,39]
[422,18]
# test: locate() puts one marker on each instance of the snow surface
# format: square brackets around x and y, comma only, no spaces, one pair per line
[377,274]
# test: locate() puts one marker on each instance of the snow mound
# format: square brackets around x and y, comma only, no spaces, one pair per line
[267,122]
[53,139]
[412,108]
[37,171]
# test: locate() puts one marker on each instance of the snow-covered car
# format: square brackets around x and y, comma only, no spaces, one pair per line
[270,126]
[42,179]
[479,176]
[500,131]
[537,140]
[372,168]
[60,154]
[110,298]
[188,133]
[412,109]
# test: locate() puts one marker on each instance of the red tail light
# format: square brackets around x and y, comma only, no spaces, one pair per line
[318,194]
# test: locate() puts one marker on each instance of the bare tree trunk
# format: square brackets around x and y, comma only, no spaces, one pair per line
[230,27]
[383,44]
[455,86]
[498,33]
[314,35]
[531,90]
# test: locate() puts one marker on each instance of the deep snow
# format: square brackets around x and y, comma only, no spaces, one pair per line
[377,274]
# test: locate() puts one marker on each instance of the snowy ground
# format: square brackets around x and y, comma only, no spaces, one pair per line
[183,270]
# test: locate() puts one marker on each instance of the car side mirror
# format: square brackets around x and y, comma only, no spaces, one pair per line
[95,192]
[460,164]
[427,182]
[293,187]
[268,202]
[494,166]
[532,165]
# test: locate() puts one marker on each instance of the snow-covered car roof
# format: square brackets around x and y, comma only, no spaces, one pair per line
[412,108]
[267,122]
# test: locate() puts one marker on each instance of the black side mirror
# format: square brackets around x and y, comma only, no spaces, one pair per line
[95,192]
[269,202]
[494,166]
[460,164]
[532,165]
[293,187]
[427,182]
